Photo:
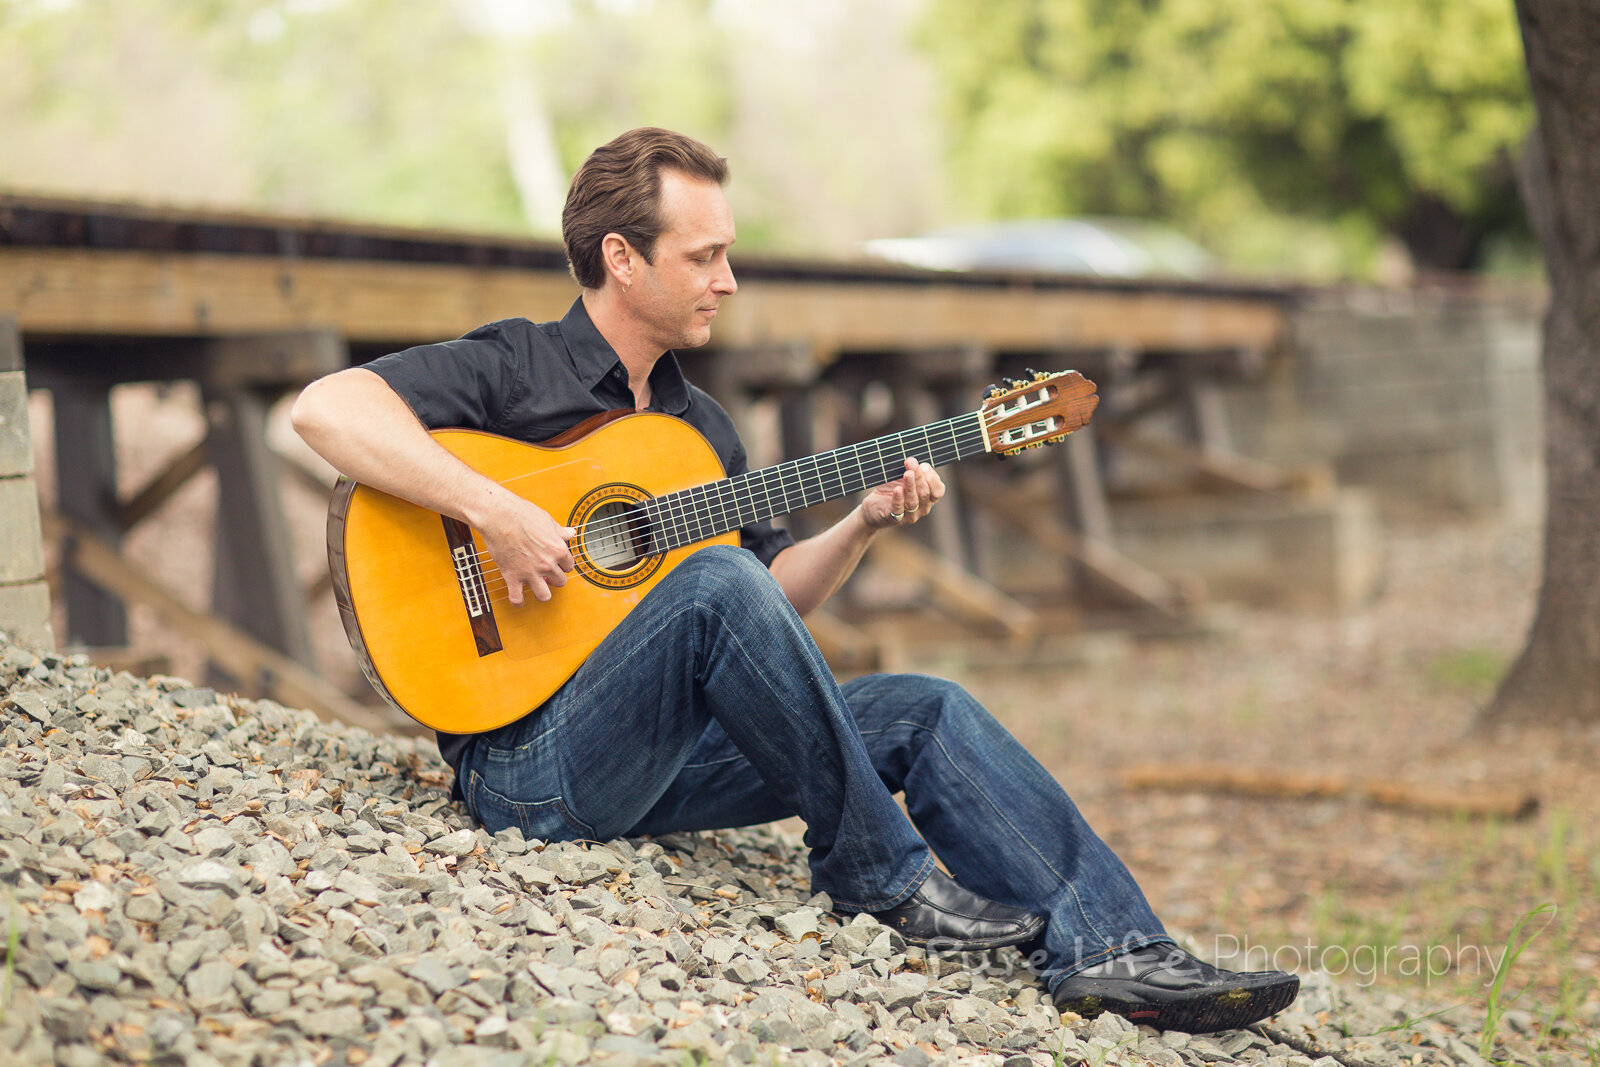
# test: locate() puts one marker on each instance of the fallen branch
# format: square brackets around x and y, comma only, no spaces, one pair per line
[1215,778]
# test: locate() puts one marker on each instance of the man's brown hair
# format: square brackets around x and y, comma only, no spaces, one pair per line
[618,190]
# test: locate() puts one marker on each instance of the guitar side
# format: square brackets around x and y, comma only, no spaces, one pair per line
[451,651]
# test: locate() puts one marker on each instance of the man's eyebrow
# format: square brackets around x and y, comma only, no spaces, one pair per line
[711,247]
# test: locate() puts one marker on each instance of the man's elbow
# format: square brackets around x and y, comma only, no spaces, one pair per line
[311,413]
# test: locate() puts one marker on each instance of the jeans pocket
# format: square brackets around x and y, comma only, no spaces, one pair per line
[546,820]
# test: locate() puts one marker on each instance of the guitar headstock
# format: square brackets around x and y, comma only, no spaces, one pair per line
[1041,410]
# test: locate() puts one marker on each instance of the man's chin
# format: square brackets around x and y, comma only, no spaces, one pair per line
[694,337]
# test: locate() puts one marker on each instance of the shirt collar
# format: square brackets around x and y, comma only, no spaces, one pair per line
[593,359]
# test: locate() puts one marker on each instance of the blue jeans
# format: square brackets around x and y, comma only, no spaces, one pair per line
[710,707]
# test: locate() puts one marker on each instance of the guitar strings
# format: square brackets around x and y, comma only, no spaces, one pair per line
[681,511]
[676,510]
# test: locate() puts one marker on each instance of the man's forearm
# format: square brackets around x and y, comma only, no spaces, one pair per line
[813,570]
[357,423]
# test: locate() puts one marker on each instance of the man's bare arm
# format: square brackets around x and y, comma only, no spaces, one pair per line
[813,570]
[356,422]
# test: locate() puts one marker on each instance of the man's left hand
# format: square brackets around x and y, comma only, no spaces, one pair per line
[905,500]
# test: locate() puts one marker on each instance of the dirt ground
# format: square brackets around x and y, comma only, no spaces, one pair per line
[1423,903]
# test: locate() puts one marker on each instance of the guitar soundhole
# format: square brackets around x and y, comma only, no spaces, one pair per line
[613,545]
[612,548]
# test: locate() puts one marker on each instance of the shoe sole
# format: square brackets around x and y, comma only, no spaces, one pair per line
[1229,1009]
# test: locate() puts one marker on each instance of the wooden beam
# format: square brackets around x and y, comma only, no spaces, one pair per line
[80,291]
[1117,572]
[1245,781]
[159,489]
[960,590]
[243,657]
[845,647]
[1221,469]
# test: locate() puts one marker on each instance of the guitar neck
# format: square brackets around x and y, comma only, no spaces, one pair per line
[691,515]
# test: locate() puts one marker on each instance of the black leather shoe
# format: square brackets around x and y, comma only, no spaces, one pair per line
[1165,987]
[945,917]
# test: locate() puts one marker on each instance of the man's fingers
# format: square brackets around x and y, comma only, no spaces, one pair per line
[909,498]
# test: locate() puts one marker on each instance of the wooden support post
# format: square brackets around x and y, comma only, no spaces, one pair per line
[796,425]
[86,487]
[928,382]
[1083,495]
[255,586]
[1203,411]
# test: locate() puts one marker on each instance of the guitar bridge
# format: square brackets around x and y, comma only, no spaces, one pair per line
[474,591]
[470,575]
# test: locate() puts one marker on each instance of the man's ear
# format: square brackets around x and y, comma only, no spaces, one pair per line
[616,254]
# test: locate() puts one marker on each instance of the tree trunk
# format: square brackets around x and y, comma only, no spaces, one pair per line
[1557,677]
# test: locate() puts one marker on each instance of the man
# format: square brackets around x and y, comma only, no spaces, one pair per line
[709,706]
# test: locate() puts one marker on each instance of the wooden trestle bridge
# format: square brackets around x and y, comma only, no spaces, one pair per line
[806,356]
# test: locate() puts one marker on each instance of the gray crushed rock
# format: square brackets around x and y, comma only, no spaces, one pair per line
[188,877]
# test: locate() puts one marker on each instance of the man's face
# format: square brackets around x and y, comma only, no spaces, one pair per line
[675,298]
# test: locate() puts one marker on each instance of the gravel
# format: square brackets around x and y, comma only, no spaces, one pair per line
[187,877]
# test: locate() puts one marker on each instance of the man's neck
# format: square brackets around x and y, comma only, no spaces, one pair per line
[638,355]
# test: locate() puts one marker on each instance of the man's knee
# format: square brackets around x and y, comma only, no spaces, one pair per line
[724,578]
[918,699]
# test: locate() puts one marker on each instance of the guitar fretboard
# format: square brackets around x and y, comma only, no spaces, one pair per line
[691,515]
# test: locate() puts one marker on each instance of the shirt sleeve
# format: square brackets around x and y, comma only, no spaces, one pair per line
[464,384]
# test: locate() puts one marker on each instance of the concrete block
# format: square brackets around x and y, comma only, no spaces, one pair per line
[1431,399]
[10,345]
[16,454]
[21,542]
[25,614]
[1277,551]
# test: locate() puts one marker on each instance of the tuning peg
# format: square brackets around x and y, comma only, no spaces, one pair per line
[1032,374]
[1040,375]
[993,391]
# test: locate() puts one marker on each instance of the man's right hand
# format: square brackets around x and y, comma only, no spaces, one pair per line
[528,546]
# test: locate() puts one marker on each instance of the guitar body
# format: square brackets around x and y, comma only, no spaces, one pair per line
[425,609]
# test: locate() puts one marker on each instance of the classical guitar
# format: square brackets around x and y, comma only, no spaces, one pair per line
[427,612]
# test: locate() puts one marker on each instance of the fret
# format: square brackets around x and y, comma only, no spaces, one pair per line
[811,475]
[698,510]
[701,512]
[728,501]
[789,477]
[836,488]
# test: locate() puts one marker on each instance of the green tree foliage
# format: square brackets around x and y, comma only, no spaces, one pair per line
[469,113]
[349,107]
[1254,124]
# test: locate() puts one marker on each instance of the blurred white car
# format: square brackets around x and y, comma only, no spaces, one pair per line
[1105,247]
